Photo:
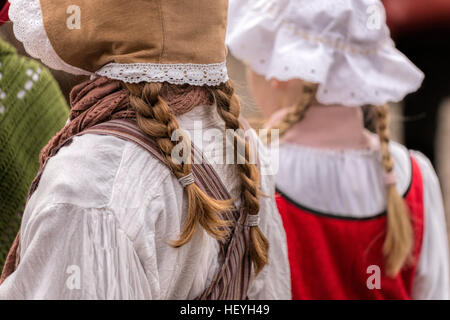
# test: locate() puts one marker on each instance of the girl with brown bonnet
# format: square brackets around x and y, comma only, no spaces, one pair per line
[113,213]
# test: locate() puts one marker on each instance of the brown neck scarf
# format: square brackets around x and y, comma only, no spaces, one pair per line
[102,99]
[97,101]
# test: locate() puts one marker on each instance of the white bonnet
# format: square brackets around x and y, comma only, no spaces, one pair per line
[344,45]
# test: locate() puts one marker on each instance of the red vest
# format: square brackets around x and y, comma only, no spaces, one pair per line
[331,256]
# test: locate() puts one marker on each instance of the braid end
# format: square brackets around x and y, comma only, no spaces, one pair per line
[205,211]
[259,249]
[398,244]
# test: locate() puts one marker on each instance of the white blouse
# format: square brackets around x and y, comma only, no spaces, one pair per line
[100,222]
[350,183]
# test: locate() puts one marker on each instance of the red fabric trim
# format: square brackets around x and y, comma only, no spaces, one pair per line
[405,16]
[329,257]
[4,13]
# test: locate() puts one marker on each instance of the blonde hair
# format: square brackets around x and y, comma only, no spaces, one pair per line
[155,118]
[398,244]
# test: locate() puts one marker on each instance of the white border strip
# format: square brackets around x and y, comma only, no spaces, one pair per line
[193,74]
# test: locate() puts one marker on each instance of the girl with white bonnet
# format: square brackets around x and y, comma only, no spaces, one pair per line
[363,215]
[117,210]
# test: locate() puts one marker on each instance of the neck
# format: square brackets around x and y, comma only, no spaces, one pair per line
[330,127]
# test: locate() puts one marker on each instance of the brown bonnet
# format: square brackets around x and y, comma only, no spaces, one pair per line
[141,40]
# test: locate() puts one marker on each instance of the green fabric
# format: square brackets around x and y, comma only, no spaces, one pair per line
[32,110]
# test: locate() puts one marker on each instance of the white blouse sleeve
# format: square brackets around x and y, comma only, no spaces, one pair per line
[69,252]
[432,274]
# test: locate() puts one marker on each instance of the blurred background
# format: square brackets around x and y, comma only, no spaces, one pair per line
[421,30]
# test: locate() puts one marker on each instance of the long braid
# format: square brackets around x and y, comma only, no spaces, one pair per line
[297,112]
[155,119]
[398,244]
[229,109]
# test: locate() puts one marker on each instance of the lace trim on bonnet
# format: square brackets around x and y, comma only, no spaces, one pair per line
[28,24]
[29,29]
[193,74]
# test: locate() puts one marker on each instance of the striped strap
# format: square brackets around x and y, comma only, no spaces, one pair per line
[204,174]
[233,279]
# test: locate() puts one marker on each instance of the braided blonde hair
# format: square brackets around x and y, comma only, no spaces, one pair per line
[297,112]
[229,108]
[398,243]
[155,118]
